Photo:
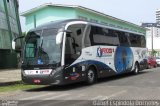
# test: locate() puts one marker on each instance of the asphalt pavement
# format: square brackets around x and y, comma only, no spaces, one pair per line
[145,86]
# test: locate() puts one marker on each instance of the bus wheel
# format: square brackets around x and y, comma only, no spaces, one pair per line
[91,76]
[149,66]
[136,68]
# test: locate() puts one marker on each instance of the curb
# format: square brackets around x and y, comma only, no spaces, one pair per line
[2,84]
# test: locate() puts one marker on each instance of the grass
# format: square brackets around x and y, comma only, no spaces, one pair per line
[18,86]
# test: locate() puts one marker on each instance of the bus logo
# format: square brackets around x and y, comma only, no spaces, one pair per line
[39,61]
[99,53]
[104,52]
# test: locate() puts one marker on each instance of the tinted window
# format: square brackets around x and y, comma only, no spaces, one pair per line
[123,38]
[137,40]
[157,57]
[103,36]
[143,41]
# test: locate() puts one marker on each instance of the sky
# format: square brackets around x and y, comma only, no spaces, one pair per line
[135,11]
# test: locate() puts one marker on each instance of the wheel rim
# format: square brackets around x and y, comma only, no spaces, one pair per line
[136,68]
[90,75]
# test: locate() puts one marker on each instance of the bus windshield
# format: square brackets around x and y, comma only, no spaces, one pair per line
[41,48]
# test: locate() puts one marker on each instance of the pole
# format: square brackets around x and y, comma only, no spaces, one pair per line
[35,21]
[8,22]
[152,41]
[16,5]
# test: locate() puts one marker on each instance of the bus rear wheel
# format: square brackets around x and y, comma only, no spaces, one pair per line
[136,68]
[91,76]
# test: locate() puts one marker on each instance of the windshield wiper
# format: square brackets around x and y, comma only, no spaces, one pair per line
[41,43]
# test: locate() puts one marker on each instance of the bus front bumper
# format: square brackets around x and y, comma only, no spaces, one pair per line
[51,79]
[42,80]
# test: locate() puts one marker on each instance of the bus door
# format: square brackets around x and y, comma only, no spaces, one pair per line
[73,45]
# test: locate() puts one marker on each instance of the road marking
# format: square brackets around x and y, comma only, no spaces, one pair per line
[113,95]
[37,96]
[3,78]
[100,97]
[62,101]
[97,97]
[54,97]
[75,97]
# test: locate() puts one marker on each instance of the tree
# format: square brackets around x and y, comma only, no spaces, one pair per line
[154,52]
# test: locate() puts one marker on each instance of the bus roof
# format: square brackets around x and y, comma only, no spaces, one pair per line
[62,23]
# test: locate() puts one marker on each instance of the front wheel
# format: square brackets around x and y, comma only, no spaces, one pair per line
[91,76]
[155,65]
[136,68]
[149,66]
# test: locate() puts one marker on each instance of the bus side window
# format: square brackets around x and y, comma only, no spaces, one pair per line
[92,32]
[143,41]
[123,39]
[137,40]
[97,36]
[103,36]
[132,39]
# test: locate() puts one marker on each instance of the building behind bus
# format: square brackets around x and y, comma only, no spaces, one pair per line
[9,29]
[53,12]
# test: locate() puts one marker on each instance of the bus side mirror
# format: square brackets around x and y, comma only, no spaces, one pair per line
[13,45]
[59,38]
[14,42]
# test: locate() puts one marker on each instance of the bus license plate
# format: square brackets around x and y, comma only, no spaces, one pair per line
[38,72]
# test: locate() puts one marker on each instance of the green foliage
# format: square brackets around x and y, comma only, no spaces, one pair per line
[18,86]
[153,53]
[24,33]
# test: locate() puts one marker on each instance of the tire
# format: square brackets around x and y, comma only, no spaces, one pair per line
[136,69]
[91,76]
[155,65]
[149,66]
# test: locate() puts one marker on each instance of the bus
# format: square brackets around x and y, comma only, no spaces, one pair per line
[70,51]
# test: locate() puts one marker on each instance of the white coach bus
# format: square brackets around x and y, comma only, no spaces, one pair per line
[70,51]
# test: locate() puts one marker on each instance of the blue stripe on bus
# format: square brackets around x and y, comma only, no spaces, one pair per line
[98,64]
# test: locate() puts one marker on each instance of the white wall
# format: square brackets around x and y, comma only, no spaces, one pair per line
[156,38]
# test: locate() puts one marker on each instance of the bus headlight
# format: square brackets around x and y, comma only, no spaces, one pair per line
[53,72]
[83,68]
[56,70]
